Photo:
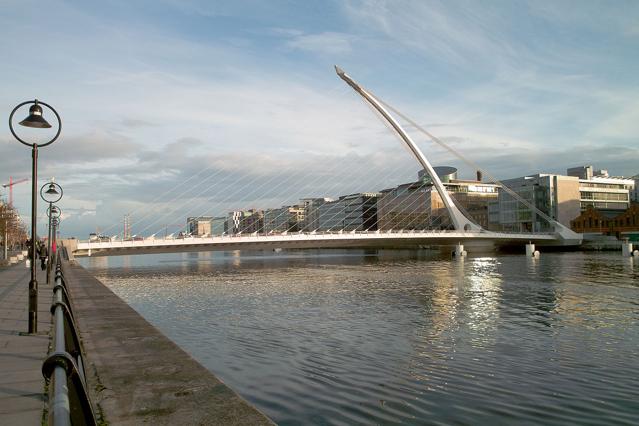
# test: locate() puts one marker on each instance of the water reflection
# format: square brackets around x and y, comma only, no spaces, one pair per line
[532,264]
[483,297]
[347,337]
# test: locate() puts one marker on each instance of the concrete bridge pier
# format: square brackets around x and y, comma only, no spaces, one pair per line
[530,250]
[626,249]
[459,251]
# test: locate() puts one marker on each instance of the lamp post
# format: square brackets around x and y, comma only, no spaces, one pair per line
[55,222]
[53,211]
[35,120]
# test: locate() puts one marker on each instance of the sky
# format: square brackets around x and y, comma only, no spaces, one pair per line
[175,108]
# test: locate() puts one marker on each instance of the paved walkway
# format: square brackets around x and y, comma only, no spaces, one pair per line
[22,397]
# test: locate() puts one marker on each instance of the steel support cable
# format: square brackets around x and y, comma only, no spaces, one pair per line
[415,195]
[455,201]
[263,184]
[336,179]
[285,183]
[327,193]
[321,177]
[390,128]
[336,212]
[416,206]
[177,205]
[393,131]
[348,205]
[387,125]
[336,88]
[163,195]
[336,166]
[468,162]
[153,212]
[256,189]
[202,201]
[281,184]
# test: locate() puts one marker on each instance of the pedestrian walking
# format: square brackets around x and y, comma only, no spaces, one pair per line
[43,253]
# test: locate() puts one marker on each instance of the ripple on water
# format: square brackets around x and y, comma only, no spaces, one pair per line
[406,338]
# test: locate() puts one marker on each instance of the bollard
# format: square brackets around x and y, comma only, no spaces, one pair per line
[28,263]
[626,249]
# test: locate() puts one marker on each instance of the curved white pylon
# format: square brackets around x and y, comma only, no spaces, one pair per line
[460,222]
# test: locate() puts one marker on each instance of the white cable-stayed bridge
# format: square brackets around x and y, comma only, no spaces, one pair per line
[461,228]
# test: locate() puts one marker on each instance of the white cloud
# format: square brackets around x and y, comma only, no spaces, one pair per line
[327,43]
[145,107]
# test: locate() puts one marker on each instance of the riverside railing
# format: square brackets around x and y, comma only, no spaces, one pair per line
[63,368]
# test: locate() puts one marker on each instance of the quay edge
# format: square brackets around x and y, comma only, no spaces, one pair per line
[136,375]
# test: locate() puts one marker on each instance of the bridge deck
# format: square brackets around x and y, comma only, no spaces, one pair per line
[308,240]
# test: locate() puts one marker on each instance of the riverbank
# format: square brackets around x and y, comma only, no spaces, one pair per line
[137,375]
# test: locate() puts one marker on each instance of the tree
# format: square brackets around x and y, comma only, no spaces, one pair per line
[11,227]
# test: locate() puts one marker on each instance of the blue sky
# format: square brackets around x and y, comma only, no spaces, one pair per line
[153,92]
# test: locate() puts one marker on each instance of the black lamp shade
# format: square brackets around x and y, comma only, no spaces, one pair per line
[52,190]
[35,119]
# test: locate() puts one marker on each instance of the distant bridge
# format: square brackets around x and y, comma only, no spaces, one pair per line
[371,239]
[465,231]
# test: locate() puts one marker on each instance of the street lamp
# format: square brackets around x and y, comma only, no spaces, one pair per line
[53,194]
[35,120]
[54,223]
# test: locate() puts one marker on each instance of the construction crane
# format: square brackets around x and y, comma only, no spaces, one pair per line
[10,185]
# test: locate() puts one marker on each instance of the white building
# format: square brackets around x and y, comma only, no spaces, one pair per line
[563,198]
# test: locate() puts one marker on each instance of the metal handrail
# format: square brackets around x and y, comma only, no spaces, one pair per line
[70,403]
[319,233]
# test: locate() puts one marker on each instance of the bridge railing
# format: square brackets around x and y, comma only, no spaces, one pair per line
[158,241]
[64,368]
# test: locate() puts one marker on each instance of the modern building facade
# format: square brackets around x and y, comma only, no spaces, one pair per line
[218,225]
[252,221]
[603,192]
[554,195]
[284,219]
[354,212]
[418,205]
[234,221]
[200,225]
[312,212]
[407,206]
[474,198]
[561,197]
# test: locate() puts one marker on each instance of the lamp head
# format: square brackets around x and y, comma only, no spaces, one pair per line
[52,190]
[35,119]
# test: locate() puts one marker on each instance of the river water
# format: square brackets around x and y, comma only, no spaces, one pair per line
[410,337]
